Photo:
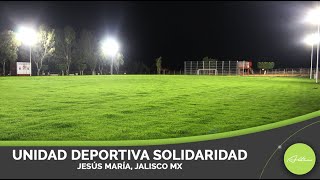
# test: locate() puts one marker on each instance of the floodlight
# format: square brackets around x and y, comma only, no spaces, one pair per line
[311,39]
[27,35]
[313,16]
[110,47]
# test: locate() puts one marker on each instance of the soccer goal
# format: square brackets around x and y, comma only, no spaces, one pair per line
[211,67]
[207,72]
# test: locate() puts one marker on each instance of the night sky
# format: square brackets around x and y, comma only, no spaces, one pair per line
[180,31]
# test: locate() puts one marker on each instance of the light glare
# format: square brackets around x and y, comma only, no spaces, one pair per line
[313,16]
[110,47]
[312,39]
[27,36]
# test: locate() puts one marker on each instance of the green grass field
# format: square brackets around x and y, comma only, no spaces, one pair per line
[138,107]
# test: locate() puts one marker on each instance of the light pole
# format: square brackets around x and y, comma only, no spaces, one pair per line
[311,56]
[30,61]
[313,17]
[311,40]
[110,47]
[311,59]
[317,66]
[111,71]
[27,36]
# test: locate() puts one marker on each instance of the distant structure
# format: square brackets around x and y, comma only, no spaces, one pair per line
[218,67]
[245,67]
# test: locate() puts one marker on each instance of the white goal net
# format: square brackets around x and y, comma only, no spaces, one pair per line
[207,72]
[211,67]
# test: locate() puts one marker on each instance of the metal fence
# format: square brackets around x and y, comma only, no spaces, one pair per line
[222,67]
[288,71]
[235,68]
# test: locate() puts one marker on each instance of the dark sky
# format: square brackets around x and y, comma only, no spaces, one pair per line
[180,31]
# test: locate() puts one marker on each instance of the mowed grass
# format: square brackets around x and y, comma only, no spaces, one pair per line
[139,107]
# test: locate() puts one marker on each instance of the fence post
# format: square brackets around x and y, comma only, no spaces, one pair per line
[185,66]
[222,67]
[243,67]
[197,66]
[237,71]
[216,65]
[229,68]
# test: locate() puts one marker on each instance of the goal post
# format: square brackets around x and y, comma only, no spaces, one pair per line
[207,72]
[214,67]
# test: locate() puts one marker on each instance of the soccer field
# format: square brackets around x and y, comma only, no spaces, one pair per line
[139,107]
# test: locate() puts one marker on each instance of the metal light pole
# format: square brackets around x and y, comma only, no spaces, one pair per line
[311,40]
[111,65]
[311,61]
[27,36]
[30,63]
[110,47]
[317,67]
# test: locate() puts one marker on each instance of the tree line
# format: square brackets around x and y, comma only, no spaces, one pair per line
[65,50]
[60,50]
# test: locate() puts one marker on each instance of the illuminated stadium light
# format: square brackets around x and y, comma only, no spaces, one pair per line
[313,17]
[110,47]
[311,40]
[27,36]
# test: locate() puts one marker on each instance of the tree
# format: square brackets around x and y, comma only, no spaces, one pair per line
[82,67]
[137,67]
[45,68]
[145,68]
[80,61]
[65,46]
[207,59]
[45,46]
[8,48]
[102,60]
[88,50]
[62,67]
[118,61]
[265,66]
[101,64]
[158,64]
